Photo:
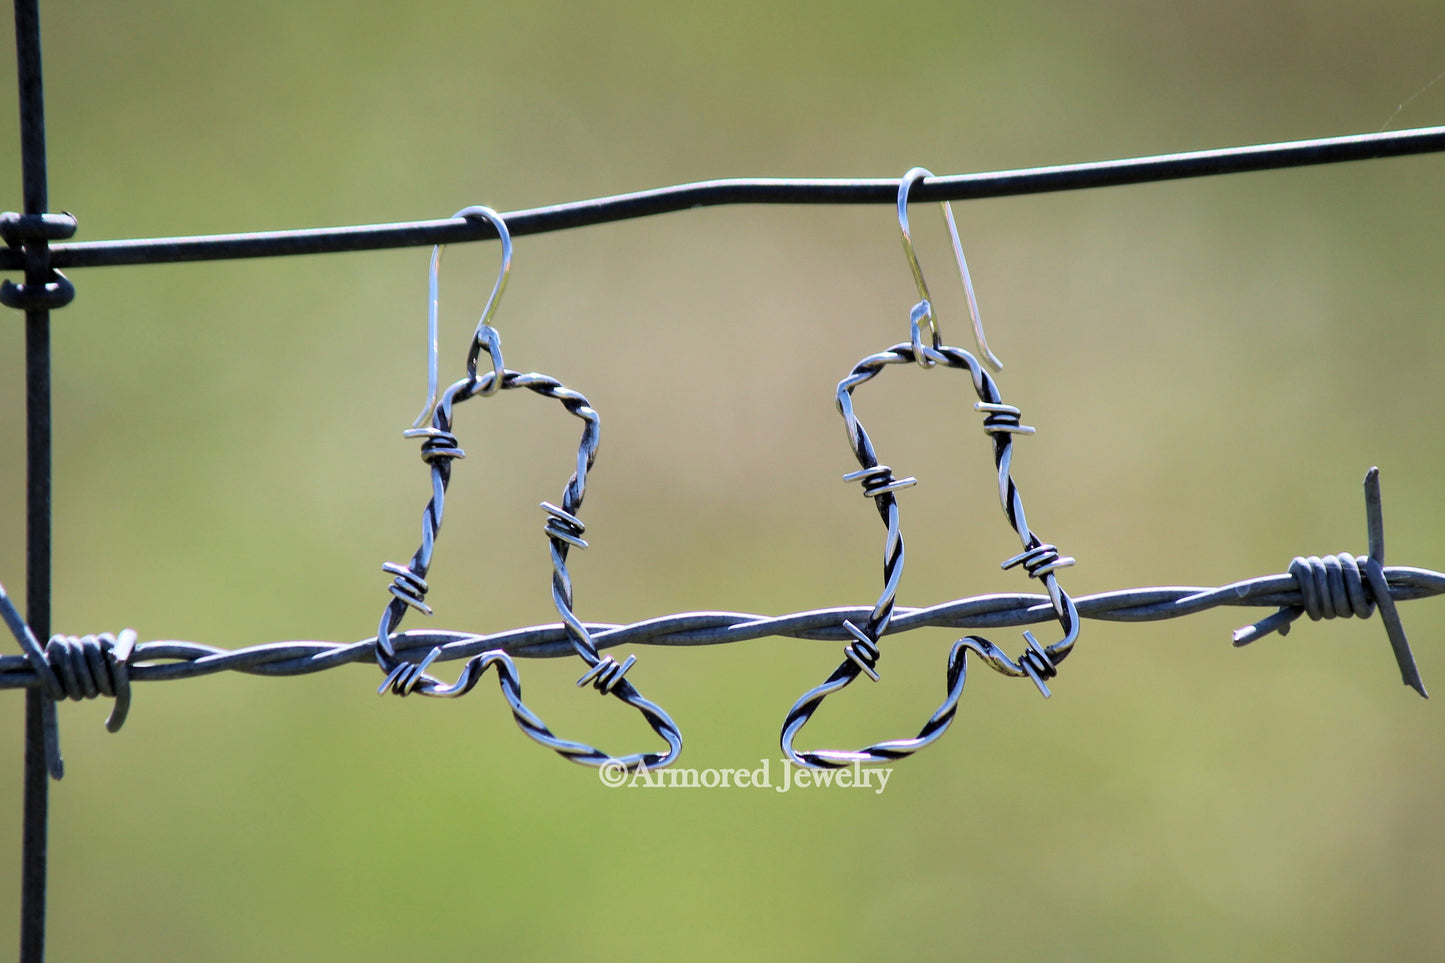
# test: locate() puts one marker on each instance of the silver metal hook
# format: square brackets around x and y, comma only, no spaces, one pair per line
[923,311]
[486,336]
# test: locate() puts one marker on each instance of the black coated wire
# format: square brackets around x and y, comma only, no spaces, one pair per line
[602,210]
[41,731]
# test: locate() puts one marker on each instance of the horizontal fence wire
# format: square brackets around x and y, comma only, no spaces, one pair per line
[831,191]
[169,660]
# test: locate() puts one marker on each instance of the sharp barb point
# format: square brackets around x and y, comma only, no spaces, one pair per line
[1374,515]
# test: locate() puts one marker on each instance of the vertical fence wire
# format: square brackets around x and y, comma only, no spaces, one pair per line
[37,480]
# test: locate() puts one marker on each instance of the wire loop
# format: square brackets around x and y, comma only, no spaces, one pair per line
[53,294]
[16,228]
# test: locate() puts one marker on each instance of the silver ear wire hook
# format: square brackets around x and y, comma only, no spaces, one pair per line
[923,310]
[486,336]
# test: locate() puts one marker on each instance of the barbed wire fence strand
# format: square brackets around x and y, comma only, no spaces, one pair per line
[170,660]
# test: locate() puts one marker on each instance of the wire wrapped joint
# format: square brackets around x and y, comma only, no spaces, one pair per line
[1036,662]
[879,481]
[408,586]
[487,339]
[1002,419]
[1039,561]
[862,651]
[55,293]
[607,674]
[1346,585]
[439,446]
[1335,586]
[919,318]
[89,666]
[1039,665]
[406,677]
[563,526]
[15,231]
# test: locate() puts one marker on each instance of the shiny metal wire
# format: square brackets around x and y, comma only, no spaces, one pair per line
[564,532]
[167,660]
[922,315]
[486,336]
[1038,559]
[170,660]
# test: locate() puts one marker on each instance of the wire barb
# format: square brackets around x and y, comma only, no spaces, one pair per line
[879,481]
[438,445]
[1039,561]
[1002,419]
[1345,585]
[606,674]
[564,526]
[74,667]
[862,652]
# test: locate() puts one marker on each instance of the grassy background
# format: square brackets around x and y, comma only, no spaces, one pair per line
[1212,365]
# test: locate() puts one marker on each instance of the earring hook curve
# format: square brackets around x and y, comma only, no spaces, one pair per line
[924,309]
[486,336]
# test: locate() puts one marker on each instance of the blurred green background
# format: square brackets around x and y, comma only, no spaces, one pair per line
[1212,366]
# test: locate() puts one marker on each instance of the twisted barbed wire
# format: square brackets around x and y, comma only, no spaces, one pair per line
[1039,560]
[168,660]
[564,531]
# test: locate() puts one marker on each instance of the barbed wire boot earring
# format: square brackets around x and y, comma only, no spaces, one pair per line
[1040,560]
[563,529]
